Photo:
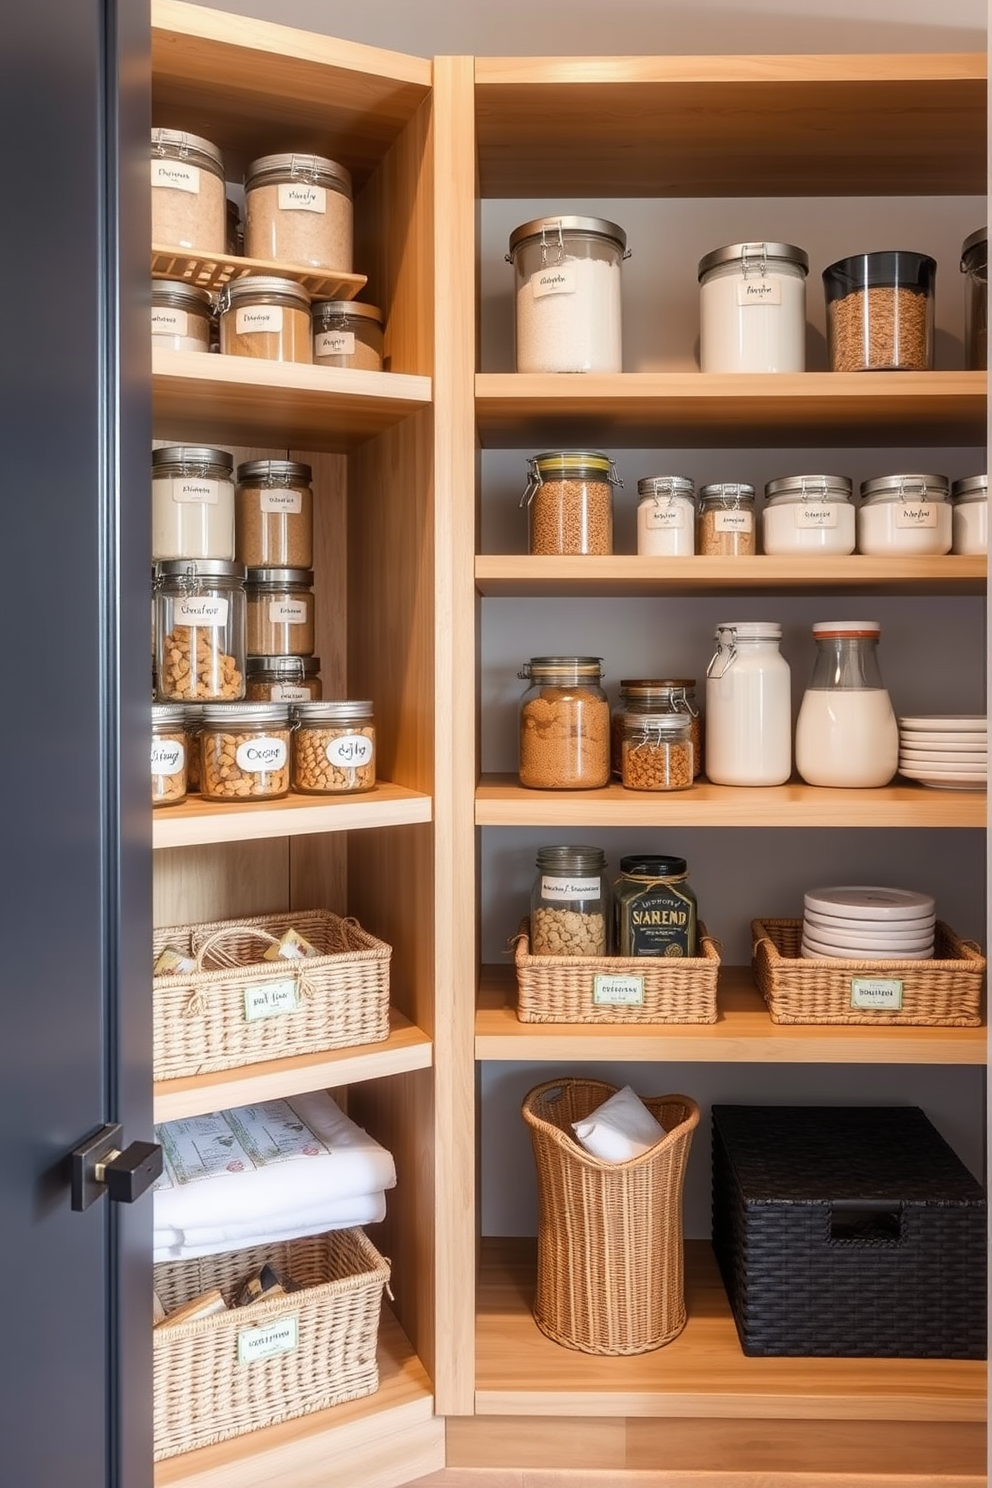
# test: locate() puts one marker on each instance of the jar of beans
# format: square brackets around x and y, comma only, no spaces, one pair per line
[180,315]
[333,748]
[199,631]
[189,200]
[347,334]
[169,751]
[280,611]
[244,752]
[273,514]
[298,211]
[564,724]
[569,501]
[283,679]
[656,752]
[726,520]
[263,315]
[658,695]
[569,905]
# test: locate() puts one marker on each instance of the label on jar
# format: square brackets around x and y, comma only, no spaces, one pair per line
[350,750]
[280,1337]
[618,991]
[191,489]
[202,609]
[733,521]
[334,343]
[288,612]
[289,502]
[176,175]
[916,514]
[168,756]
[271,998]
[258,318]
[663,518]
[554,887]
[559,279]
[258,756]
[809,516]
[169,322]
[301,196]
[881,994]
[656,920]
[289,692]
[762,291]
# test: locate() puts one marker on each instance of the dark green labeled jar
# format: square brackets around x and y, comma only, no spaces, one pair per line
[655,907]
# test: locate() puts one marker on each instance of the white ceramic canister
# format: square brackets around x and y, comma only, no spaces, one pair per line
[567,276]
[808,514]
[752,308]
[846,732]
[970,514]
[192,502]
[905,514]
[748,706]
[666,516]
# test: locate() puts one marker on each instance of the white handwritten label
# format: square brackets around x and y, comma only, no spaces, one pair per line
[202,609]
[280,1337]
[287,612]
[267,999]
[258,318]
[289,692]
[878,994]
[258,756]
[168,756]
[664,518]
[169,322]
[554,887]
[557,280]
[809,516]
[916,514]
[350,750]
[176,175]
[618,991]
[733,521]
[301,196]
[191,489]
[759,291]
[334,343]
[290,502]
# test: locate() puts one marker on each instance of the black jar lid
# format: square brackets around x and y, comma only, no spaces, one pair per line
[897,268]
[653,866]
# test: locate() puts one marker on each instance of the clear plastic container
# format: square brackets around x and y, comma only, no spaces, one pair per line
[726,521]
[169,754]
[298,211]
[970,515]
[905,514]
[181,315]
[569,501]
[564,724]
[192,502]
[656,752]
[347,334]
[273,514]
[748,706]
[880,312]
[846,732]
[280,611]
[808,514]
[975,268]
[666,516]
[283,679]
[333,748]
[199,631]
[570,903]
[568,294]
[245,752]
[264,316]
[189,202]
[752,308]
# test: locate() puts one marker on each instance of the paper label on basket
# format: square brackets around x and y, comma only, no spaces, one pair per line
[618,991]
[235,1141]
[280,1337]
[270,998]
[879,994]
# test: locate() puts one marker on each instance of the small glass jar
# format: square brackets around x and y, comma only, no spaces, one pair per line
[192,502]
[265,316]
[752,308]
[180,316]
[905,514]
[975,268]
[333,748]
[188,196]
[656,752]
[564,724]
[193,721]
[298,211]
[283,679]
[169,754]
[725,527]
[970,514]
[569,903]
[199,631]
[569,501]
[666,516]
[880,312]
[846,732]
[568,301]
[657,695]
[244,752]
[655,907]
[347,334]
[280,611]
[273,514]
[748,706]
[808,514]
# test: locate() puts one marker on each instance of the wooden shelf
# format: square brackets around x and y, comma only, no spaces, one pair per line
[197,822]
[214,270]
[500,801]
[679,410]
[701,1373]
[743,1033]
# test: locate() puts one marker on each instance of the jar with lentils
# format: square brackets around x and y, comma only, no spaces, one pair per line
[333,748]
[656,752]
[298,211]
[199,631]
[726,520]
[273,514]
[169,752]
[263,315]
[569,501]
[244,752]
[564,724]
[657,695]
[283,679]
[569,906]
[280,611]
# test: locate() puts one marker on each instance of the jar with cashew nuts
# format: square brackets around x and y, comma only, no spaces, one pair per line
[333,748]
[656,752]
[244,752]
[169,753]
[569,908]
[199,631]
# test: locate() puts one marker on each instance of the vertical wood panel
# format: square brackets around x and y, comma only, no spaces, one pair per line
[221,882]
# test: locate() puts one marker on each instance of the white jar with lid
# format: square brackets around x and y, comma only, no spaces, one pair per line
[748,706]
[567,274]
[752,308]
[970,514]
[192,502]
[808,514]
[666,516]
[905,514]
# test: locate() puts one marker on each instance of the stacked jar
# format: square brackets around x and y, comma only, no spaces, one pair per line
[661,695]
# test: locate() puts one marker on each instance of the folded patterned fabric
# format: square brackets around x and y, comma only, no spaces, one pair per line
[173,1245]
[621,1128]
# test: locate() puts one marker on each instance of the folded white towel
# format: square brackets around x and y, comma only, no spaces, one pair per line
[331,1215]
[367,1210]
[621,1128]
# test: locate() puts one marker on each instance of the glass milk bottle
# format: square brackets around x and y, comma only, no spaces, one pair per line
[846,733]
[748,706]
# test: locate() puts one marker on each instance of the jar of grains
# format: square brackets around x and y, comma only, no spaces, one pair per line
[180,316]
[569,501]
[748,706]
[752,308]
[564,724]
[666,516]
[273,514]
[199,631]
[169,753]
[333,748]
[283,679]
[192,502]
[975,268]
[880,312]
[280,611]
[905,514]
[245,752]
[347,334]
[569,904]
[192,720]
[656,751]
[189,202]
[808,514]
[298,211]
[654,907]
[725,526]
[657,695]
[265,316]
[567,277]
[970,514]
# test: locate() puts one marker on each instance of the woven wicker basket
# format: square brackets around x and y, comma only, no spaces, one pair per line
[204,1392]
[337,998]
[561,989]
[609,1241]
[943,992]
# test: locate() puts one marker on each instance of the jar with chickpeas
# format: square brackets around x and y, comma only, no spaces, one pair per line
[245,752]
[169,754]
[569,908]
[333,748]
[199,631]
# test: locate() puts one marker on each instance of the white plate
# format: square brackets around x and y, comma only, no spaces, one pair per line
[948,782]
[844,943]
[813,950]
[870,902]
[946,772]
[943,741]
[951,723]
[964,757]
[891,929]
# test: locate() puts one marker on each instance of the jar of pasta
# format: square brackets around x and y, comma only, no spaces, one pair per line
[262,315]
[169,752]
[726,520]
[199,631]
[244,750]
[298,211]
[333,748]
[189,202]
[280,611]
[564,724]
[180,316]
[273,514]
[283,679]
[347,334]
[569,501]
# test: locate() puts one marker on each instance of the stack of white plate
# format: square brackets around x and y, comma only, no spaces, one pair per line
[862,922]
[949,751]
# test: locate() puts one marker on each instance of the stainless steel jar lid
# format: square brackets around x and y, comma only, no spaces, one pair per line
[317,170]
[333,710]
[180,144]
[285,667]
[727,493]
[200,568]
[754,256]
[976,245]
[970,488]
[261,287]
[280,578]
[252,472]
[552,227]
[587,861]
[808,488]
[658,723]
[181,296]
[245,715]
[905,488]
[666,485]
[190,455]
[168,715]
[561,668]
[349,309]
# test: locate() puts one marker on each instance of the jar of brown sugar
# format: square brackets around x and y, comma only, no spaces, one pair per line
[273,514]
[169,754]
[333,748]
[280,611]
[656,752]
[189,203]
[564,724]
[298,211]
[657,695]
[347,334]
[265,316]
[726,521]
[199,631]
[180,316]
[569,501]
[283,679]
[245,752]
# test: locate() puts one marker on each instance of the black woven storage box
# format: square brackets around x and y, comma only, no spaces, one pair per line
[848,1231]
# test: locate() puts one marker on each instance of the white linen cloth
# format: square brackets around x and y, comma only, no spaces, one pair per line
[621,1128]
[344,1214]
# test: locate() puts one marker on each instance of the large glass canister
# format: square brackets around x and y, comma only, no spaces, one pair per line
[189,200]
[298,211]
[199,631]
[975,268]
[568,301]
[569,501]
[880,312]
[808,514]
[655,907]
[333,748]
[280,611]
[970,514]
[169,754]
[748,706]
[244,752]
[180,316]
[273,514]
[726,521]
[752,308]
[846,733]
[908,513]
[192,502]
[564,724]
[666,516]
[657,695]
[569,906]
[264,315]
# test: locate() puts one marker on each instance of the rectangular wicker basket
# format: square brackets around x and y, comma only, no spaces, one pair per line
[217,1017]
[562,989]
[253,1366]
[943,992]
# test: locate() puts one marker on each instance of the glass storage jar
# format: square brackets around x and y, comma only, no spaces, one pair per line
[666,516]
[199,631]
[283,679]
[569,903]
[169,754]
[975,268]
[970,514]
[273,514]
[280,611]
[656,751]
[880,312]
[748,706]
[569,501]
[347,334]
[189,202]
[568,304]
[192,502]
[905,514]
[180,316]
[193,720]
[846,732]
[657,695]
[808,514]
[726,520]
[655,907]
[298,211]
[262,315]
[333,748]
[752,308]
[564,724]
[244,752]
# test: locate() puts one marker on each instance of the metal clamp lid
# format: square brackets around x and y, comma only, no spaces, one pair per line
[667,486]
[245,715]
[191,459]
[180,144]
[258,286]
[559,667]
[347,309]
[905,488]
[970,488]
[316,170]
[274,472]
[754,258]
[551,230]
[809,488]
[568,465]
[333,710]
[181,296]
[727,493]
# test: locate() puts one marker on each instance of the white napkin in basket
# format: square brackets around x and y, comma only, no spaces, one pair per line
[621,1128]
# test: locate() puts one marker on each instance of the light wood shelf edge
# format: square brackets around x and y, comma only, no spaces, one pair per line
[759,68]
[197,822]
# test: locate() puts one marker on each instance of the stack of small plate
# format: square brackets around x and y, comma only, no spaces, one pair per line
[862,922]
[946,751]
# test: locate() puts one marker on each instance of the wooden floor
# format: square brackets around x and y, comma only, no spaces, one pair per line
[565,1478]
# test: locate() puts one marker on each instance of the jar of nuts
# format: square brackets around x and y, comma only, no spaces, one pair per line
[333,748]
[280,611]
[168,754]
[283,679]
[656,751]
[199,631]
[569,906]
[569,501]
[564,724]
[658,695]
[244,752]
[726,520]
[273,514]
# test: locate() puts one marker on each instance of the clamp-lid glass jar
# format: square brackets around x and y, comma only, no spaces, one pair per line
[280,611]
[180,315]
[273,514]
[283,679]
[654,907]
[752,308]
[970,514]
[569,501]
[189,201]
[975,268]
[666,516]
[564,724]
[568,304]
[748,706]
[569,903]
[298,211]
[192,502]
[199,630]
[880,312]
[905,514]
[846,732]
[656,751]
[333,748]
[347,334]
[169,752]
[726,520]
[657,695]
[808,514]
[244,752]
[262,315]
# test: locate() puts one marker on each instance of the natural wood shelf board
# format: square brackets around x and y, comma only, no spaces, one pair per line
[196,821]
[743,1033]
[213,271]
[406,1048]
[675,410]
[731,126]
[701,1373]
[199,396]
[500,801]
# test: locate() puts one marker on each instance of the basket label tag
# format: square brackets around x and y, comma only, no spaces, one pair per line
[269,998]
[280,1337]
[881,994]
[618,991]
